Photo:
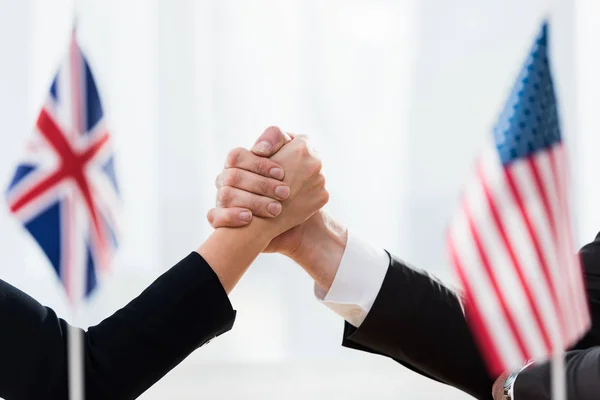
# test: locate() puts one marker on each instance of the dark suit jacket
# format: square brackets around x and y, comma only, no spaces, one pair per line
[419,322]
[127,352]
[583,378]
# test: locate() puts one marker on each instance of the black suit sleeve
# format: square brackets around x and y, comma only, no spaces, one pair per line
[419,322]
[582,369]
[590,261]
[127,352]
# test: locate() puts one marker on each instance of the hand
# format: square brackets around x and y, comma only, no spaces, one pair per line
[498,388]
[317,244]
[252,185]
[301,190]
[307,193]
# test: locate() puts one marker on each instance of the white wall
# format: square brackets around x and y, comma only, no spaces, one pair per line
[587,162]
[399,96]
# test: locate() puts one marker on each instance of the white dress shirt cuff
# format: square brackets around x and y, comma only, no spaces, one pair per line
[357,281]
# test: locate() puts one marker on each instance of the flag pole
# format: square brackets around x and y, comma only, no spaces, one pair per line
[559,388]
[75,364]
[75,358]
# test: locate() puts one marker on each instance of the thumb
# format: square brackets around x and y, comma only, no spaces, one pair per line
[270,142]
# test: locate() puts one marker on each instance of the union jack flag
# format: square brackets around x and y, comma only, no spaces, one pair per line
[65,190]
[511,242]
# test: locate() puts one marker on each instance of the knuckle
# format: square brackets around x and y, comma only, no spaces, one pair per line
[321,180]
[234,156]
[232,176]
[302,150]
[322,197]
[259,166]
[273,130]
[259,206]
[224,195]
[264,187]
[210,216]
[228,216]
[325,197]
[316,166]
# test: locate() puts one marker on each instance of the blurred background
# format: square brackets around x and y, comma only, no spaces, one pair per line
[399,96]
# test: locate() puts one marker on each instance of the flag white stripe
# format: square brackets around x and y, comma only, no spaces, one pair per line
[64,109]
[77,240]
[41,203]
[569,262]
[502,268]
[519,240]
[76,90]
[574,279]
[542,231]
[105,195]
[27,183]
[570,275]
[481,288]
[562,252]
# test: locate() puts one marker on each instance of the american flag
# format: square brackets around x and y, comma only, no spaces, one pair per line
[64,189]
[511,242]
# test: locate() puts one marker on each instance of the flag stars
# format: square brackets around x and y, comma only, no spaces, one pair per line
[525,125]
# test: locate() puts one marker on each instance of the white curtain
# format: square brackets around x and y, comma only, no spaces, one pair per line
[398,95]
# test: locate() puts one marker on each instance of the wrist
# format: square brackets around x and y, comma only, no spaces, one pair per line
[230,251]
[498,387]
[321,249]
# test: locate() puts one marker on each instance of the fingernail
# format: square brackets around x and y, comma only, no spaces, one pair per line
[274,209]
[276,173]
[262,148]
[283,192]
[245,215]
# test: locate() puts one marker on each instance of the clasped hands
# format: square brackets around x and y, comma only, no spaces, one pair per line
[279,182]
[279,185]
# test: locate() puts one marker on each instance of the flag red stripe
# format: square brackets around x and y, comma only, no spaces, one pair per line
[537,180]
[91,152]
[76,67]
[55,138]
[475,316]
[101,247]
[513,258]
[561,217]
[485,262]
[578,294]
[549,216]
[536,245]
[476,319]
[37,190]
[570,308]
[73,165]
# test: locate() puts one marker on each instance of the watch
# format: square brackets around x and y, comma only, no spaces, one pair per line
[508,385]
[510,382]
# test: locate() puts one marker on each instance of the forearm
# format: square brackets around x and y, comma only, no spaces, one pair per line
[179,312]
[124,354]
[130,350]
[321,249]
[31,345]
[230,251]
